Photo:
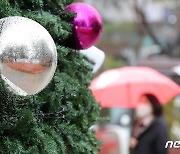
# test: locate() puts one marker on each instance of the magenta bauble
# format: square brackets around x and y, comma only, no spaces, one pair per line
[87,26]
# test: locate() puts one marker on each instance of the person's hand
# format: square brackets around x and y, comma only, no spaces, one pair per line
[133,143]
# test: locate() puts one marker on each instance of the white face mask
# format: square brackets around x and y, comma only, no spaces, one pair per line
[143,110]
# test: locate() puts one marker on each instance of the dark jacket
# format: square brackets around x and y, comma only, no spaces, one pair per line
[153,139]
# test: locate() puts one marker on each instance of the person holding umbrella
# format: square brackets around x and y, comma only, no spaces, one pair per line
[123,87]
[150,131]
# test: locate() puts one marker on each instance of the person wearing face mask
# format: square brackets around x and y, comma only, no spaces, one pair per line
[149,134]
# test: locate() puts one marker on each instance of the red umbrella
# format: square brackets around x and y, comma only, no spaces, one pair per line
[123,87]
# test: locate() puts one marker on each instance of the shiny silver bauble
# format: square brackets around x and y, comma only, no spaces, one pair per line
[28,56]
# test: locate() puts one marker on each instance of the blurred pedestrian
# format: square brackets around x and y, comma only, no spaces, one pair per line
[149,134]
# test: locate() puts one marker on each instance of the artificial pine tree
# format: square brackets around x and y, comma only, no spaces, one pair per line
[57,120]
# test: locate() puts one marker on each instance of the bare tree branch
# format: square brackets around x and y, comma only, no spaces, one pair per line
[145,24]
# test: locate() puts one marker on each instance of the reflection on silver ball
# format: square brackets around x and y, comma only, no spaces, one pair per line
[28,56]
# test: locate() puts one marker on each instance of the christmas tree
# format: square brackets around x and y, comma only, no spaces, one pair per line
[57,120]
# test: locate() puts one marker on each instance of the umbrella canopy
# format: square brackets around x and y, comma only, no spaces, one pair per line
[123,87]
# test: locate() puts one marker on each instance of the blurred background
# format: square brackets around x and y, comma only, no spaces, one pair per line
[142,33]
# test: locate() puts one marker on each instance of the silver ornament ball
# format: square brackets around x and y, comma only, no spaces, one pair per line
[28,56]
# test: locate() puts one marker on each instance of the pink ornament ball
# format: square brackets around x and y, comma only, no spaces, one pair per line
[87,26]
